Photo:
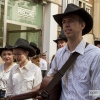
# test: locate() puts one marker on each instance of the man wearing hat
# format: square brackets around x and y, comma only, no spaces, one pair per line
[84,74]
[37,50]
[61,40]
[25,76]
[39,61]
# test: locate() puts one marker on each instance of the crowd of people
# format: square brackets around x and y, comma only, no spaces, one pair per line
[24,66]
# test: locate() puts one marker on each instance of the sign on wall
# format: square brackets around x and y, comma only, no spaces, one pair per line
[25,12]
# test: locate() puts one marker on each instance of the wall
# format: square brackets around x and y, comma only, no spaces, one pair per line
[49,30]
[96,30]
[55,1]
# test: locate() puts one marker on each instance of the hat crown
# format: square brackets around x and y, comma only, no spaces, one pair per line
[33,44]
[8,46]
[70,8]
[35,47]
[21,41]
[62,36]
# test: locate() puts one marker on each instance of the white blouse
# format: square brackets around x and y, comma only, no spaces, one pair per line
[4,76]
[22,80]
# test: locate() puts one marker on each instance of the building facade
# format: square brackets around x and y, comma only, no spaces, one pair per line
[20,19]
[34,21]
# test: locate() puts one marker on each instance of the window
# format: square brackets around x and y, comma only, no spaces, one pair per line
[80,4]
[85,5]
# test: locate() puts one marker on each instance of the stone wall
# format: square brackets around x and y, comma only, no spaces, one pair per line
[96,28]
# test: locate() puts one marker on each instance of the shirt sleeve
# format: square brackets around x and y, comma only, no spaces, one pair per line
[9,85]
[95,77]
[38,77]
[53,69]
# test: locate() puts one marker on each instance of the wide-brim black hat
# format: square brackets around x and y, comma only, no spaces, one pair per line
[24,44]
[7,47]
[73,9]
[62,36]
[35,47]
[96,42]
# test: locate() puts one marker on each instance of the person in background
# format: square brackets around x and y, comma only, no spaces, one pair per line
[43,56]
[43,66]
[25,76]
[61,42]
[6,54]
[35,59]
[97,43]
[39,61]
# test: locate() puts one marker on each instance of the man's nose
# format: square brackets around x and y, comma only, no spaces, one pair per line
[67,24]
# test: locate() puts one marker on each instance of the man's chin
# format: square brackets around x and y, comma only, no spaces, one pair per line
[68,36]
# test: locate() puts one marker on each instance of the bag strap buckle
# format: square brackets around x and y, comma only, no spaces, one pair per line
[44,94]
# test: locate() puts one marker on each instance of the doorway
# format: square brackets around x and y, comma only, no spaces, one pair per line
[17,31]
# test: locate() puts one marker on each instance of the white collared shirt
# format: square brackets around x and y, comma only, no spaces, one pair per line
[22,80]
[43,64]
[83,75]
[4,76]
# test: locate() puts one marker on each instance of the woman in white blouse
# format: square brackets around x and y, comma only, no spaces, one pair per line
[25,76]
[7,56]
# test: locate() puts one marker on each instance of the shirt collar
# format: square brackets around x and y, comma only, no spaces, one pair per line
[27,66]
[80,47]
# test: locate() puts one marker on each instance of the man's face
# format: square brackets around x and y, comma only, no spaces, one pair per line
[43,56]
[20,55]
[61,43]
[73,26]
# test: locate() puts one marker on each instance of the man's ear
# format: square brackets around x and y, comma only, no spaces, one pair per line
[83,25]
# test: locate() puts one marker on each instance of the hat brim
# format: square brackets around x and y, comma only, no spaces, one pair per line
[56,41]
[37,49]
[82,13]
[28,48]
[2,49]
